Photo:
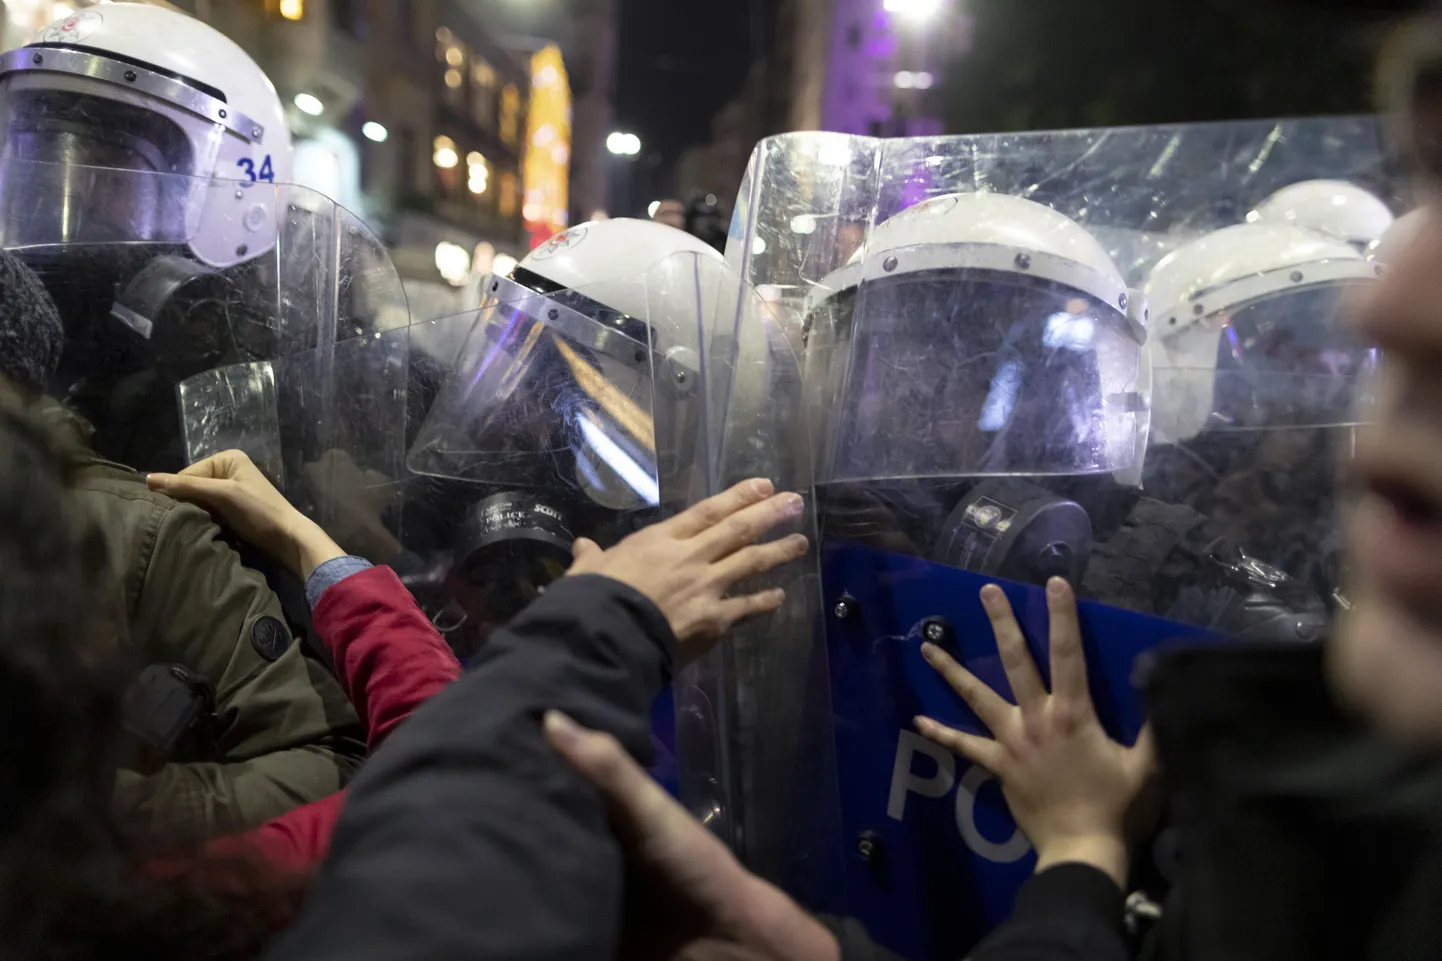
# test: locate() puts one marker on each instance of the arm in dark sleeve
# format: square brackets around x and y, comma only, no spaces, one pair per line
[1072,912]
[467,836]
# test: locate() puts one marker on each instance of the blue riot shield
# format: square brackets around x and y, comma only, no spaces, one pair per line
[1096,355]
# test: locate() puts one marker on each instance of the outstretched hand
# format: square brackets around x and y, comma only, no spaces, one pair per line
[687,565]
[230,486]
[689,895]
[1070,787]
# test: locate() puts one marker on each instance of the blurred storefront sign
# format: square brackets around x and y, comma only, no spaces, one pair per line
[548,147]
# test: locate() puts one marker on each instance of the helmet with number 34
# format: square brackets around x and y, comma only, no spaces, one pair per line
[137,87]
[145,173]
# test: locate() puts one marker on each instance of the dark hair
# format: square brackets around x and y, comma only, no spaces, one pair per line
[73,885]
[31,333]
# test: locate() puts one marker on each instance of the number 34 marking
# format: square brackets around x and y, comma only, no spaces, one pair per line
[267,170]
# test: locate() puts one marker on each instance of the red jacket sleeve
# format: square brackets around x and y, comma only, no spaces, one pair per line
[388,655]
[390,660]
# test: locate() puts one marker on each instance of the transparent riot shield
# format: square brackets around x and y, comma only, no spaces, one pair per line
[596,411]
[202,315]
[128,258]
[994,392]
[1259,387]
[550,427]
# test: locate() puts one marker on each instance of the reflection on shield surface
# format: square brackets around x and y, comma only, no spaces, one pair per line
[1026,356]
[969,364]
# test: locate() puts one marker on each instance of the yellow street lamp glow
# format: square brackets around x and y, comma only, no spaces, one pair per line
[292,9]
[446,155]
[452,262]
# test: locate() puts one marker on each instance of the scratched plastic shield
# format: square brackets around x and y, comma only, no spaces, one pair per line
[967,426]
[626,402]
[150,324]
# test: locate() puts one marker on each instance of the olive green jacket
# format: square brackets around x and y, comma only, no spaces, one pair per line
[284,733]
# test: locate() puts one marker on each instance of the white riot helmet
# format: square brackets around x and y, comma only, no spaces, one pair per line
[142,88]
[978,335]
[1336,208]
[555,386]
[606,259]
[1245,333]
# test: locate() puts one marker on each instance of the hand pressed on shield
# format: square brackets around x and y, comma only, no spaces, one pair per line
[231,487]
[687,565]
[1068,784]
[687,894]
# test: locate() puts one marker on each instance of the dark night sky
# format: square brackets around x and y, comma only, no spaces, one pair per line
[678,62]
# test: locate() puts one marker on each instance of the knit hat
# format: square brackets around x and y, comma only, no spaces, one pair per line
[31,334]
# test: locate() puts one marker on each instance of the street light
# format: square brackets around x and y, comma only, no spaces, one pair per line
[906,80]
[446,155]
[913,9]
[453,262]
[503,265]
[309,103]
[623,144]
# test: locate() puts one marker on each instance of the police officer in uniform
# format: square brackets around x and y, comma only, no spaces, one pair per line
[1008,436]
[571,411]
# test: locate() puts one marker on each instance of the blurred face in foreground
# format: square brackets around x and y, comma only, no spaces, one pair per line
[1386,656]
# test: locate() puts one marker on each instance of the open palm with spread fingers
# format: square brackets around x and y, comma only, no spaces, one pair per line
[1068,784]
[688,565]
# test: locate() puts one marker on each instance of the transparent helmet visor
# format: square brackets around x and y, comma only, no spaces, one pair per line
[981,373]
[545,398]
[86,169]
[1308,373]
[1281,362]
